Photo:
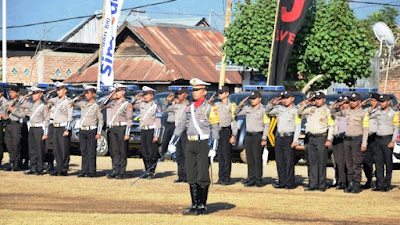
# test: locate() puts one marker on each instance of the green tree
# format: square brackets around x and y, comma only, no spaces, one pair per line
[339,46]
[249,37]
[387,15]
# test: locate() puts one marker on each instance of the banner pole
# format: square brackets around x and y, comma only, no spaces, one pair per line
[100,45]
[223,64]
[273,42]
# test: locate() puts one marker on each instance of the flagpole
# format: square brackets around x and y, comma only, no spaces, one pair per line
[4,43]
[100,45]
[223,64]
[273,42]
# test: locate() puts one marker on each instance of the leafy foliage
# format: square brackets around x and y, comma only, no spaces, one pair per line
[249,37]
[339,46]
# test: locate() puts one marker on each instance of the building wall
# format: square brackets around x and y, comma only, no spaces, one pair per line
[393,82]
[47,66]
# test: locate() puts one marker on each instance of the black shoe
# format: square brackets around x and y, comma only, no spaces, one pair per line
[90,175]
[250,183]
[220,182]
[290,187]
[179,180]
[227,182]
[120,177]
[340,187]
[39,173]
[81,174]
[244,181]
[307,185]
[385,189]
[278,185]
[349,188]
[376,188]
[55,174]
[367,185]
[322,189]
[310,189]
[195,200]
[30,172]
[259,184]
[356,188]
[111,175]
[64,173]
[151,176]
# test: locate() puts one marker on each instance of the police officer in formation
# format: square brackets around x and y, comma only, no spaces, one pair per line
[355,142]
[91,124]
[119,123]
[38,124]
[3,102]
[169,126]
[373,127]
[257,127]
[200,121]
[320,126]
[62,117]
[150,125]
[13,116]
[227,135]
[178,110]
[388,126]
[286,137]
[339,108]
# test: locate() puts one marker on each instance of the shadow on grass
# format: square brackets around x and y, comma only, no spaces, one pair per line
[219,206]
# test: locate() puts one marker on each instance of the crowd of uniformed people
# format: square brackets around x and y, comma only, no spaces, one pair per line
[198,131]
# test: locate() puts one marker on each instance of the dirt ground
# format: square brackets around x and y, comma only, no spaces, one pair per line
[71,200]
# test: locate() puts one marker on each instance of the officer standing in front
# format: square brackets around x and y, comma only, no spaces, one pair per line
[12,115]
[286,138]
[62,117]
[320,125]
[355,142]
[257,126]
[388,126]
[150,125]
[373,128]
[119,123]
[3,102]
[227,135]
[38,129]
[201,122]
[91,124]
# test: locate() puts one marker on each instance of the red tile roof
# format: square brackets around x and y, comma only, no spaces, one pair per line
[185,53]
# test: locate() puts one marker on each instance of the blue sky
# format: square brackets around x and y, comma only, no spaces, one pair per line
[20,12]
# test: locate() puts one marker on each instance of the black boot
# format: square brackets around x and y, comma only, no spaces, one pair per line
[367,185]
[203,194]
[349,188]
[10,167]
[146,167]
[356,188]
[193,194]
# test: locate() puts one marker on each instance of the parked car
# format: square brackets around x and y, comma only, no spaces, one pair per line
[267,93]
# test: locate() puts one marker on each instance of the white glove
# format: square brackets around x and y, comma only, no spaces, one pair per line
[171,149]
[212,155]
[265,156]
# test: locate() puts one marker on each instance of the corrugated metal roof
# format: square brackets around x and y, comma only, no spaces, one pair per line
[187,53]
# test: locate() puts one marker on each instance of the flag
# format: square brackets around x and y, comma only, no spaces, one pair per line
[290,18]
[112,11]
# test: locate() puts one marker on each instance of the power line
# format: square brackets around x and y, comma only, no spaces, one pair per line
[81,17]
[374,3]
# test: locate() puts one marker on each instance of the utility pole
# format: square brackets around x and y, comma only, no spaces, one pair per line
[4,45]
[209,19]
[223,64]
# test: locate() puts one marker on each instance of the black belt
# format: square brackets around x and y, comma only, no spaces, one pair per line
[317,135]
[384,136]
[253,133]
[171,123]
[12,122]
[286,134]
[352,138]
[225,128]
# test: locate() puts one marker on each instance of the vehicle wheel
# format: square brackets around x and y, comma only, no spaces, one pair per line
[243,156]
[102,145]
